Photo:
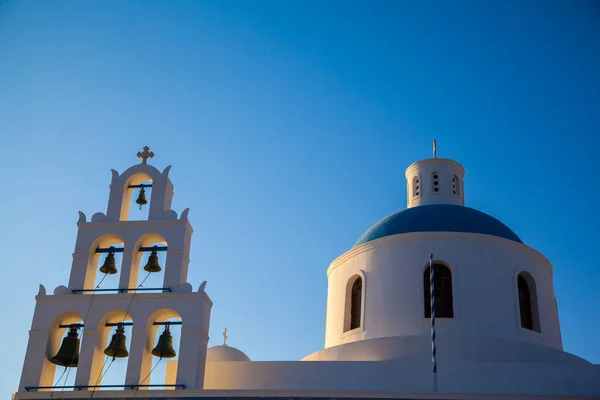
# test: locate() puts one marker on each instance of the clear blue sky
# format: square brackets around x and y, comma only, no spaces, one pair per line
[289,126]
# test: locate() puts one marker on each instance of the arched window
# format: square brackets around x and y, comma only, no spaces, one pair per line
[354,304]
[444,305]
[528,302]
[455,185]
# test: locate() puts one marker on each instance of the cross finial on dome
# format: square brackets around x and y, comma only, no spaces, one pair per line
[225,337]
[434,149]
[144,155]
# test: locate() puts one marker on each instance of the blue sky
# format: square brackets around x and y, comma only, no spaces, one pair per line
[289,126]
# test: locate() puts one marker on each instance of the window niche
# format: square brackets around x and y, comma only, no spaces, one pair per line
[444,302]
[528,305]
[353,318]
[455,185]
[435,182]
[416,186]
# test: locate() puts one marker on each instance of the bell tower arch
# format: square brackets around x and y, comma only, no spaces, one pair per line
[85,311]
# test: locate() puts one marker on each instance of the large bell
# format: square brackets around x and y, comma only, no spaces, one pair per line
[117,347]
[109,267]
[153,265]
[164,347]
[141,200]
[68,354]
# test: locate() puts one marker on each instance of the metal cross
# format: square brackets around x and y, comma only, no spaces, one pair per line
[144,155]
[434,149]
[225,337]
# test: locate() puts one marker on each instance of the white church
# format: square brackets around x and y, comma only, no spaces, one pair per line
[497,337]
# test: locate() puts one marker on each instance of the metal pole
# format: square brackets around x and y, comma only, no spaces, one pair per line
[432,303]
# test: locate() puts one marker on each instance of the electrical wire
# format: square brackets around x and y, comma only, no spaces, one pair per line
[58,381]
[84,321]
[147,376]
[101,375]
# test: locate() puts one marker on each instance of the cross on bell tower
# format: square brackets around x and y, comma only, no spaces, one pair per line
[96,312]
[144,155]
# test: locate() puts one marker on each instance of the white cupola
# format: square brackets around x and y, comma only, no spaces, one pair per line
[435,181]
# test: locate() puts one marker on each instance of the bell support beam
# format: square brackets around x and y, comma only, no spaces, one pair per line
[79,387]
[124,324]
[153,248]
[121,249]
[164,289]
[141,185]
[110,249]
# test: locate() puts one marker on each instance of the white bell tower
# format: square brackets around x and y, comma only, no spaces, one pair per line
[94,312]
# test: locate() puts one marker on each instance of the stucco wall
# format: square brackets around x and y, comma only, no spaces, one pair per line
[484,278]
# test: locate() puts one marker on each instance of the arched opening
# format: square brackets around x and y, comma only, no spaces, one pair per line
[98,272]
[149,261]
[455,185]
[444,302]
[62,351]
[435,182]
[111,353]
[528,306]
[107,258]
[159,365]
[416,186]
[138,189]
[354,302]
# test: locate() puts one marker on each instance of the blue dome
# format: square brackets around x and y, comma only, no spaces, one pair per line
[438,218]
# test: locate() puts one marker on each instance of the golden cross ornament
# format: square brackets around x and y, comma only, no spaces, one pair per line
[144,155]
[225,337]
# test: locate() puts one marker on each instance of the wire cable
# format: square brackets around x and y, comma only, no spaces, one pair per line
[101,375]
[84,321]
[147,376]
[58,381]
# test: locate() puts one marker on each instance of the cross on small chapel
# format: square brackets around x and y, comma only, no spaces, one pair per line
[225,337]
[144,155]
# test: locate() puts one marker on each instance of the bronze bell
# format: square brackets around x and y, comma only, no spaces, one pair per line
[68,354]
[164,347]
[109,266]
[153,265]
[141,200]
[117,347]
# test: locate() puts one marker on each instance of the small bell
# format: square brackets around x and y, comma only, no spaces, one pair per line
[164,347]
[152,265]
[141,200]
[109,266]
[117,347]
[68,354]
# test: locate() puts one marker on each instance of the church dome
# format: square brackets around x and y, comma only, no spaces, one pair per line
[225,353]
[438,218]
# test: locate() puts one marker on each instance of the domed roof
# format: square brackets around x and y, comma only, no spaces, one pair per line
[225,353]
[438,218]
